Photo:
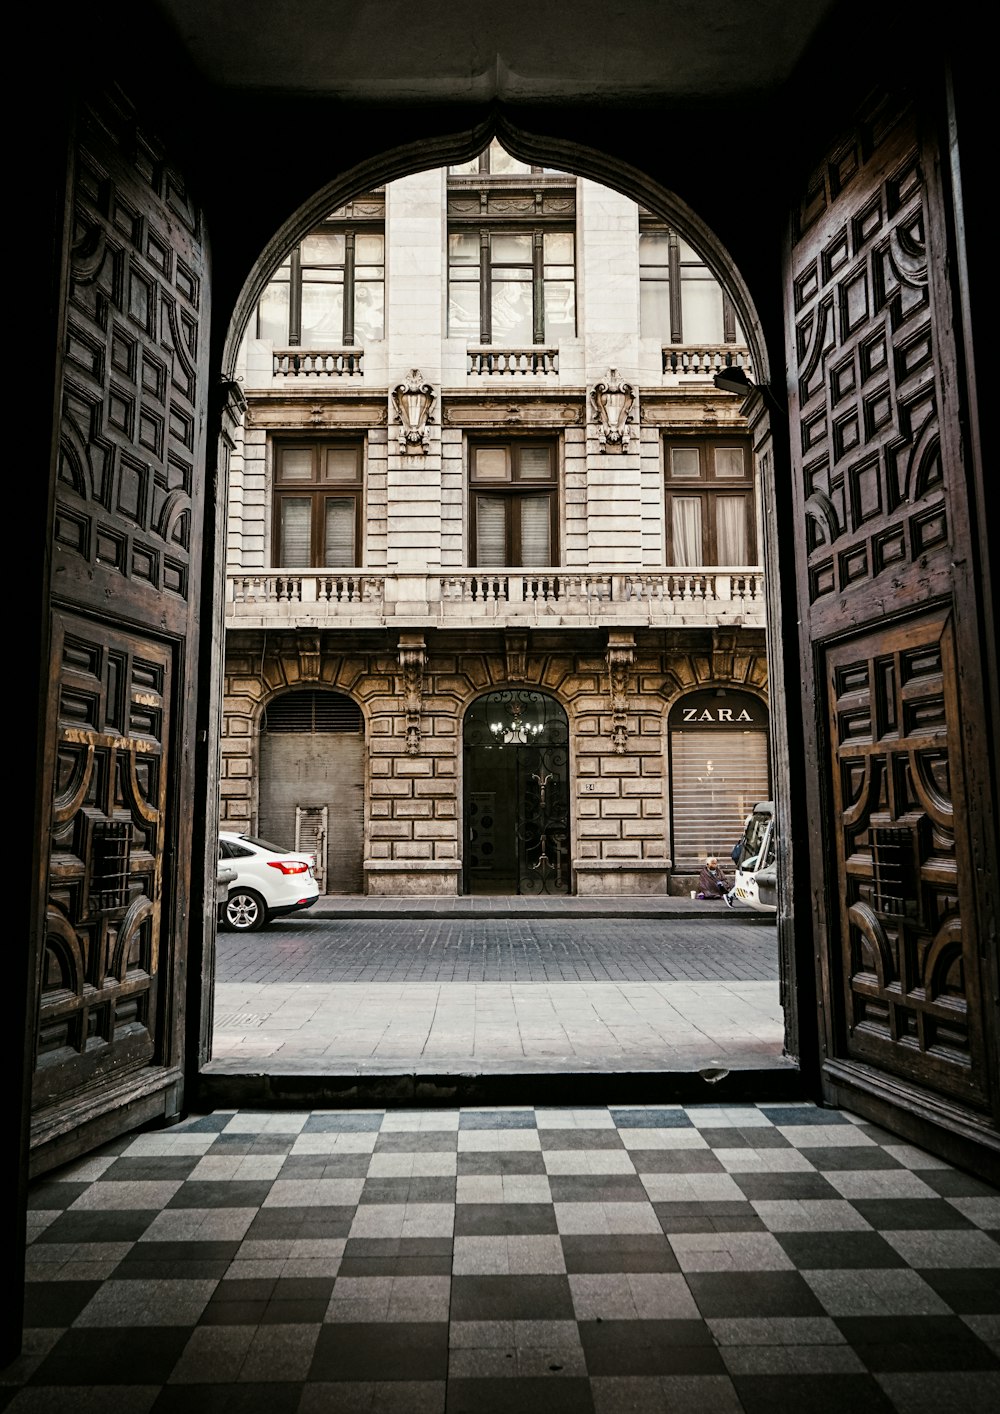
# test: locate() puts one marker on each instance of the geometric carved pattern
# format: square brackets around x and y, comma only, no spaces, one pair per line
[126,556]
[129,417]
[865,400]
[909,988]
[97,1010]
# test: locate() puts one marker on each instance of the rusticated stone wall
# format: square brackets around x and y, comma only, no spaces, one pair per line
[414,698]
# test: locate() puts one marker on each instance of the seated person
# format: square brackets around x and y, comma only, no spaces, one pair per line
[711,884]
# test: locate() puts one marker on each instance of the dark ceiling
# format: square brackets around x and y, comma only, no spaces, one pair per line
[399,51]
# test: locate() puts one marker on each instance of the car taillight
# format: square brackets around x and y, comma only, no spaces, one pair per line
[288,866]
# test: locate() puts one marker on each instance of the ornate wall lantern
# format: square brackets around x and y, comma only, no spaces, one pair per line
[613,401]
[413,400]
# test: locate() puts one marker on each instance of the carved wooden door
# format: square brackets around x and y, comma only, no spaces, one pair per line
[890,614]
[125,573]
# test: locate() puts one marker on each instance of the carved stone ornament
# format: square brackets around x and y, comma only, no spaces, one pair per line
[613,401]
[309,657]
[413,402]
[412,656]
[621,656]
[516,648]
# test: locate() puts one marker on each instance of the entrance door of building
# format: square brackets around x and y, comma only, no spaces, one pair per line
[312,771]
[516,795]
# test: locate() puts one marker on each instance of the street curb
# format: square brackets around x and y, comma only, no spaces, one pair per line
[354,912]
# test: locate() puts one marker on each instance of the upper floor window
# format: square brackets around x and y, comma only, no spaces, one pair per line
[513,503]
[494,161]
[330,292]
[511,252]
[317,504]
[680,300]
[511,287]
[710,502]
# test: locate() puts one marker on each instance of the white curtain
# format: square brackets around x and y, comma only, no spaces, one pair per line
[686,524]
[731,529]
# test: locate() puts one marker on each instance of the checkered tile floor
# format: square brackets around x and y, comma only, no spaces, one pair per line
[682,1259]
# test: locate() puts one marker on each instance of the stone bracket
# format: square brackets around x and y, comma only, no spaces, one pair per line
[516,649]
[309,657]
[620,657]
[412,657]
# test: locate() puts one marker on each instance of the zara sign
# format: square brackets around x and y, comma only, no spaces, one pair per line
[718,707]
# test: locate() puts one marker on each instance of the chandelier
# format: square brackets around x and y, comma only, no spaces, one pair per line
[516,731]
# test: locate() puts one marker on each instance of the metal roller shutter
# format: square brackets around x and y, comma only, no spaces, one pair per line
[312,755]
[716,778]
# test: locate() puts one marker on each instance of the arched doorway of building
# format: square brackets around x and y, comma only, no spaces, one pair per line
[515,749]
[312,777]
[719,770]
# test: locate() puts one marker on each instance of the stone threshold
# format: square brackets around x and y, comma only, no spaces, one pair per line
[222,1085]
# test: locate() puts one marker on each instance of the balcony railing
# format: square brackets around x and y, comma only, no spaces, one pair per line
[516,362]
[701,362]
[495,598]
[317,363]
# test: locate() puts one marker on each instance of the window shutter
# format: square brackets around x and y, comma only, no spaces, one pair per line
[491,520]
[535,531]
[338,540]
[296,528]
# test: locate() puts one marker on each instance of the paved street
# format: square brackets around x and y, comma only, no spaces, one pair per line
[378,995]
[306,949]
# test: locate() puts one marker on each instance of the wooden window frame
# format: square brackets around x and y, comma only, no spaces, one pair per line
[537,232]
[513,492]
[292,275]
[317,491]
[485,169]
[707,487]
[675,276]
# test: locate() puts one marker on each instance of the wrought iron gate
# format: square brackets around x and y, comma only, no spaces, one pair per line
[516,753]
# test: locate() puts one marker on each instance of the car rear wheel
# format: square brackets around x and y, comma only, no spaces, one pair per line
[245,911]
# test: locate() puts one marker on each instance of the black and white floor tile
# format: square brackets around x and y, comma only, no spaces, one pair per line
[640,1259]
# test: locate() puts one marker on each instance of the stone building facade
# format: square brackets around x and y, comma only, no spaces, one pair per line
[494,611]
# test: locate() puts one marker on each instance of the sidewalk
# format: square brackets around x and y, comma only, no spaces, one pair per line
[532,906]
[341,996]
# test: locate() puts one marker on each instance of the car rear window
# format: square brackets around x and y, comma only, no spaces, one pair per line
[265,844]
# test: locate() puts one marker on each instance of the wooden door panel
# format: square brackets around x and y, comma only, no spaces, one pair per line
[910,979]
[104,946]
[127,520]
[889,619]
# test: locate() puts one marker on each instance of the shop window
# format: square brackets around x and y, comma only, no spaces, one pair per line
[317,504]
[513,501]
[710,502]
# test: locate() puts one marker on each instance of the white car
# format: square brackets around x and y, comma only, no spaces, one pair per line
[269,882]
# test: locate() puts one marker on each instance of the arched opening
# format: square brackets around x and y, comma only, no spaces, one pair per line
[516,524]
[517,828]
[312,782]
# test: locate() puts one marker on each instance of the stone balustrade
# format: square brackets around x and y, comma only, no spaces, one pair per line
[471,598]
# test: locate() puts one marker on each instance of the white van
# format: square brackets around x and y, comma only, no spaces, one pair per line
[755,865]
